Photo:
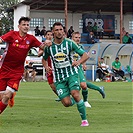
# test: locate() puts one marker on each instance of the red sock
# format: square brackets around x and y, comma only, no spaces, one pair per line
[2,107]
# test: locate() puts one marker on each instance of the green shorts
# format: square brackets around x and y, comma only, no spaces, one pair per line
[64,88]
[81,75]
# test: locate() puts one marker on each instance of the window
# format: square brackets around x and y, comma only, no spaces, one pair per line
[36,22]
[80,24]
[51,21]
[131,25]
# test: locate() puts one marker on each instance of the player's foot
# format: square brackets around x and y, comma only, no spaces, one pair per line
[87,104]
[24,80]
[102,91]
[84,123]
[57,100]
[11,101]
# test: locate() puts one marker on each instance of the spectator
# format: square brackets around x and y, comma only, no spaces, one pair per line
[43,31]
[126,38]
[91,38]
[123,32]
[94,29]
[100,32]
[30,71]
[70,31]
[116,67]
[89,27]
[102,69]
[37,31]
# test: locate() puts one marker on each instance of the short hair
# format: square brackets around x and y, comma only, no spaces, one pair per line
[47,32]
[31,63]
[57,24]
[23,19]
[117,58]
[102,58]
[74,33]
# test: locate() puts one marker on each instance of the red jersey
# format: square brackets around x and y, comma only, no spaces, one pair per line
[16,50]
[50,75]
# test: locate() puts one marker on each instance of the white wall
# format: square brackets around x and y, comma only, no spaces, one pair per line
[126,19]
[20,11]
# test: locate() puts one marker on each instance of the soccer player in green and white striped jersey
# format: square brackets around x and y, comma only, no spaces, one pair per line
[65,71]
[76,36]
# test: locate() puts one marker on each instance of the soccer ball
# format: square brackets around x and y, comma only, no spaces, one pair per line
[97,80]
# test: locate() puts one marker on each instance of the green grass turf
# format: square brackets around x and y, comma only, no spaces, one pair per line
[36,111]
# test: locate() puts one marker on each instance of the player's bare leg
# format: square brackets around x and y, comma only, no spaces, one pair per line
[5,98]
[11,100]
[1,94]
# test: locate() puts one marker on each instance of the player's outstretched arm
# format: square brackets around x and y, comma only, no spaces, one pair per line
[1,40]
[45,65]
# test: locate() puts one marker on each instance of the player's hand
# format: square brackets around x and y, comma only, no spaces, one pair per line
[48,69]
[48,43]
[84,67]
[75,63]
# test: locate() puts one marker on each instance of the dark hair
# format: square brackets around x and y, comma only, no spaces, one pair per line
[117,58]
[47,31]
[102,58]
[23,19]
[57,24]
[31,63]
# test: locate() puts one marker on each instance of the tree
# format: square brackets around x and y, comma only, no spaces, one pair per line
[6,15]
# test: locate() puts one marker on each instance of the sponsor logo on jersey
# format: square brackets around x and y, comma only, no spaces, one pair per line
[60,56]
[75,57]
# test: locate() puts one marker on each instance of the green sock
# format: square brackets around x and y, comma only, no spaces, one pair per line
[82,110]
[72,101]
[93,87]
[85,94]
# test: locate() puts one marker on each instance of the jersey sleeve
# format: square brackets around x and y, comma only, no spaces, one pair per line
[46,53]
[77,49]
[8,37]
[35,42]
[82,47]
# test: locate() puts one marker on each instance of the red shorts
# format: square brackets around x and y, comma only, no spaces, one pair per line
[50,78]
[8,78]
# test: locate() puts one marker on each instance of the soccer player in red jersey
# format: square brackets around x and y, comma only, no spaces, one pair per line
[12,63]
[49,36]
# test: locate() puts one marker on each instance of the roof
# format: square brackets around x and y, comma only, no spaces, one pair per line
[81,5]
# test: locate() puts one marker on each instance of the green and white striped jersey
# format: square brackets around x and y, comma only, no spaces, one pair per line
[61,58]
[76,56]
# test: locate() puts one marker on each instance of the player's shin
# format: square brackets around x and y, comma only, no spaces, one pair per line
[85,94]
[2,106]
[82,110]
[72,101]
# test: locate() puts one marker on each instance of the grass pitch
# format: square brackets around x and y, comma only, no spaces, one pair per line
[36,111]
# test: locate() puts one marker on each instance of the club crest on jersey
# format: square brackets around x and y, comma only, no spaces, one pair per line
[27,42]
[16,41]
[60,56]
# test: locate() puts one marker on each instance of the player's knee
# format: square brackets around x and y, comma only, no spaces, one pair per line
[75,95]
[66,103]
[83,86]
[5,98]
